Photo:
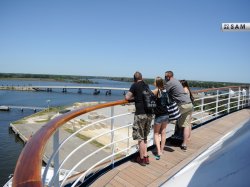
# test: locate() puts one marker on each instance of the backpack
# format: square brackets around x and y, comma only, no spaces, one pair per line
[164,98]
[149,100]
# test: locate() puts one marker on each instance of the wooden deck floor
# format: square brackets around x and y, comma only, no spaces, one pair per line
[158,171]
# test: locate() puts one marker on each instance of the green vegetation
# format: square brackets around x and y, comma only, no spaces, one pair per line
[86,79]
[64,78]
[192,83]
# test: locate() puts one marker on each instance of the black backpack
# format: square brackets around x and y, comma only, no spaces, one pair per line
[149,100]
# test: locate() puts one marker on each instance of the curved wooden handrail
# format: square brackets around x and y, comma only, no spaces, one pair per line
[28,168]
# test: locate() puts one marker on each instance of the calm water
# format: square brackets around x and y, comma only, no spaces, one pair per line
[10,145]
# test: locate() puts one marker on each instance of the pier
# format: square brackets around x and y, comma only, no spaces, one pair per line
[9,107]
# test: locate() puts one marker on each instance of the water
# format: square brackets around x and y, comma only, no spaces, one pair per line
[10,145]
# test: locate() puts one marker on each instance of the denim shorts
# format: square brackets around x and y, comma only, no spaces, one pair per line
[161,119]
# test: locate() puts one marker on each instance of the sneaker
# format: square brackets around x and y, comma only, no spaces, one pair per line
[146,159]
[157,157]
[140,161]
[184,147]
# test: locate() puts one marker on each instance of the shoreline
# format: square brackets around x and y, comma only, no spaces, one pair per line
[79,81]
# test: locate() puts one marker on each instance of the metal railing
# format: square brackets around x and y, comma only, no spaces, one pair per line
[209,104]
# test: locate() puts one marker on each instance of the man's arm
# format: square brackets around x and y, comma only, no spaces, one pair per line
[129,96]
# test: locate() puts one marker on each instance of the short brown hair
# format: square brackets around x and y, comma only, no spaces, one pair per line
[170,73]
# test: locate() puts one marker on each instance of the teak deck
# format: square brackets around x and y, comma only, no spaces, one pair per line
[159,171]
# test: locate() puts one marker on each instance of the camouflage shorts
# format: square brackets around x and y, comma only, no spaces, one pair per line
[141,126]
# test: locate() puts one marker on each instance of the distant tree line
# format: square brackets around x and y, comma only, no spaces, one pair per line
[86,79]
[192,83]
[67,78]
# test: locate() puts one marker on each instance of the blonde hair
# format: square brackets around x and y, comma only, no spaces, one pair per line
[159,82]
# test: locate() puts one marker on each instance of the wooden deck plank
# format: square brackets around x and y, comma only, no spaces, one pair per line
[108,177]
[142,176]
[131,180]
[109,185]
[122,181]
[125,165]
[136,176]
[154,174]
[115,183]
[174,159]
[144,171]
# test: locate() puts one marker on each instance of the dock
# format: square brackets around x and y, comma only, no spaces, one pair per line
[174,159]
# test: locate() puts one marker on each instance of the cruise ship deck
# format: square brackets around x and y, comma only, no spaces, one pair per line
[174,159]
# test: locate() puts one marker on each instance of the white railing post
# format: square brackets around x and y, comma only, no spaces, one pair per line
[229,98]
[248,96]
[244,98]
[238,107]
[128,142]
[217,103]
[202,105]
[56,158]
[112,137]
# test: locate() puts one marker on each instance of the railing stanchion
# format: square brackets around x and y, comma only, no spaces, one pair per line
[244,98]
[202,106]
[56,158]
[229,98]
[128,143]
[112,137]
[238,107]
[217,103]
[248,96]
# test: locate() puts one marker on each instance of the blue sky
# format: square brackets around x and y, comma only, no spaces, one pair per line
[119,37]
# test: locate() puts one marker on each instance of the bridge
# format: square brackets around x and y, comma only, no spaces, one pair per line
[63,88]
[215,117]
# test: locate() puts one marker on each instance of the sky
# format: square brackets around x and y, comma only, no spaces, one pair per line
[118,37]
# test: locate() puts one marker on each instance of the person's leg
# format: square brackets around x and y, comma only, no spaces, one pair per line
[147,128]
[187,126]
[163,135]
[157,128]
[141,148]
[190,126]
[140,158]
[189,137]
[186,135]
[179,123]
[145,154]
